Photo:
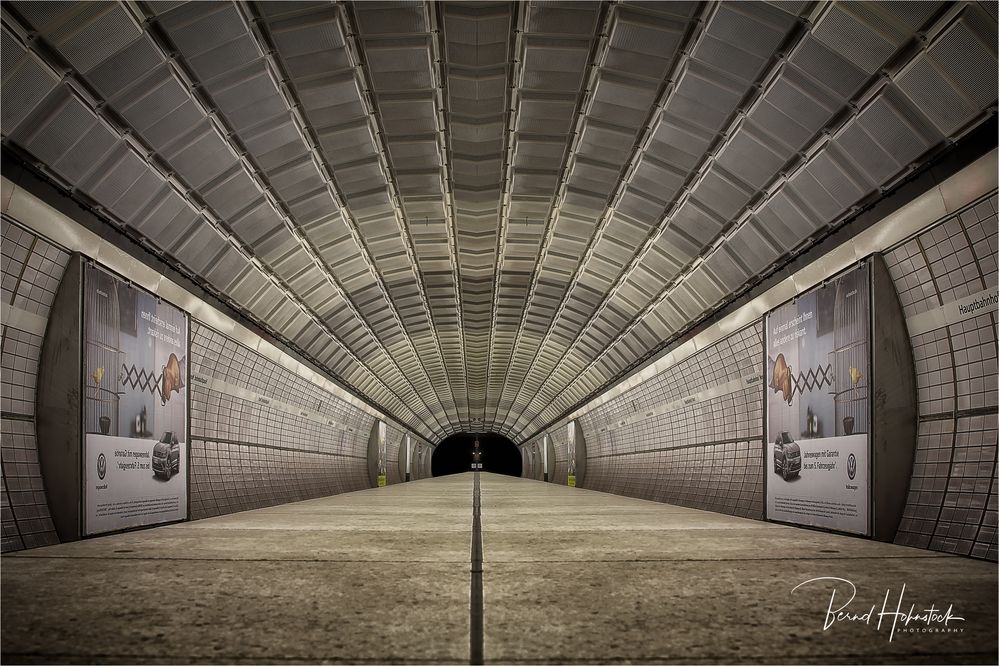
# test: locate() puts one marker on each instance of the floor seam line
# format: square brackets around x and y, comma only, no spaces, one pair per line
[475,648]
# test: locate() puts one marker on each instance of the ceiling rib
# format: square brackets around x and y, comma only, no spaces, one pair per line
[443,113]
[553,40]
[92,100]
[691,41]
[355,40]
[475,108]
[867,93]
[169,51]
[509,127]
[599,43]
[266,44]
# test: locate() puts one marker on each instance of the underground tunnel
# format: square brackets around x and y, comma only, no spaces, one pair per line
[713,284]
[454,454]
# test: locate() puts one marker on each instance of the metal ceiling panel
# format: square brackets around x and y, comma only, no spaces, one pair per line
[478,214]
[945,80]
[847,29]
[305,35]
[26,82]
[567,18]
[200,249]
[89,33]
[643,44]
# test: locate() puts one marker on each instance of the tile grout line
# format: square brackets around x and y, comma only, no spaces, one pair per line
[475,655]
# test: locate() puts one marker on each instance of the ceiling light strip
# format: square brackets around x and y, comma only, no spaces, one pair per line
[27,210]
[925,211]
[358,60]
[797,162]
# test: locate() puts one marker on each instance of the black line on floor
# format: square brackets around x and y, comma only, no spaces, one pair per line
[215,658]
[273,560]
[778,658]
[475,655]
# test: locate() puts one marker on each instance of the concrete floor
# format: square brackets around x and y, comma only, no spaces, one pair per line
[576,575]
[376,576]
[570,575]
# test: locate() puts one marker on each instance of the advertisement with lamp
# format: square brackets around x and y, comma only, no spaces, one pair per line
[135,416]
[818,426]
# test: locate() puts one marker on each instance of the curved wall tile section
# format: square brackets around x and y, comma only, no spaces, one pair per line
[946,278]
[265,427]
[558,467]
[393,442]
[262,435]
[533,463]
[692,435]
[32,269]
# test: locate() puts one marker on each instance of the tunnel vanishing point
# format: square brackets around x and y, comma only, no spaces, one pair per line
[499,332]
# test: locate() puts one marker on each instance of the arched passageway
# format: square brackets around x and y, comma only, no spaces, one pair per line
[454,454]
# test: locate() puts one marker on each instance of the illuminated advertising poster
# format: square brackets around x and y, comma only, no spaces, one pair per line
[135,414]
[818,372]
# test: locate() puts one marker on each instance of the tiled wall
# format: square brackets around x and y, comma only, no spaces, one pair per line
[703,453]
[420,453]
[952,503]
[420,465]
[526,469]
[246,455]
[708,455]
[32,270]
[393,443]
[534,457]
[537,458]
[558,469]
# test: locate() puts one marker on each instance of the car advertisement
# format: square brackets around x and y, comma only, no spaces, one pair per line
[135,415]
[817,436]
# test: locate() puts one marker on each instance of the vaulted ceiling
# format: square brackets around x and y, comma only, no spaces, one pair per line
[477,214]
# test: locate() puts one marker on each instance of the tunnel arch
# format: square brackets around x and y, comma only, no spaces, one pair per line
[454,454]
